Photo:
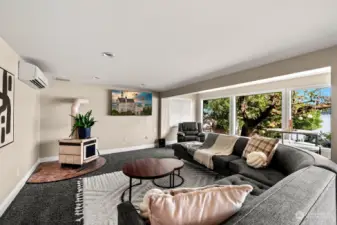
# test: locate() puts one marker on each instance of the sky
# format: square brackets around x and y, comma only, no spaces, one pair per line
[145,97]
[324,91]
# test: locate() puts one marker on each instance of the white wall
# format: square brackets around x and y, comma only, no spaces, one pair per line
[174,111]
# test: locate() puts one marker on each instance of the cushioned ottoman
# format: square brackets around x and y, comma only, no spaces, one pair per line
[258,188]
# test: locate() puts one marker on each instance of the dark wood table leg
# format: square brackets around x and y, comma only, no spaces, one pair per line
[130,189]
[173,178]
[170,180]
[172,183]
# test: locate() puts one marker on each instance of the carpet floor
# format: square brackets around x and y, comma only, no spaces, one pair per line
[54,203]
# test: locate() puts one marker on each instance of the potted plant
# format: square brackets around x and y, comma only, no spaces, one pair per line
[83,124]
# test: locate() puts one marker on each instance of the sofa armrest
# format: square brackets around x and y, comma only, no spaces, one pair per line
[201,135]
[181,134]
[127,214]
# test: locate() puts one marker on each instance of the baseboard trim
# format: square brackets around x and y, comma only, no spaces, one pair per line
[126,149]
[8,200]
[49,159]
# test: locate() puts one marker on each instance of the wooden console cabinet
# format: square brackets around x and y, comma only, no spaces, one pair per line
[78,151]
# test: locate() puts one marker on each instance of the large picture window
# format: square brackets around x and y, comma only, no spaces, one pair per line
[256,113]
[216,115]
[272,114]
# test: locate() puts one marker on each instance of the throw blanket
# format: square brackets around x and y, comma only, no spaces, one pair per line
[223,145]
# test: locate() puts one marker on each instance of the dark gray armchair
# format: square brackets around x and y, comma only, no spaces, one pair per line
[190,131]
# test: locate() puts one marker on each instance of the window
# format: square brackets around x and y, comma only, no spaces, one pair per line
[246,115]
[257,113]
[216,115]
[311,110]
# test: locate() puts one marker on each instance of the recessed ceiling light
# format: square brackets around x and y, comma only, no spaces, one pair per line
[108,54]
[95,78]
[142,85]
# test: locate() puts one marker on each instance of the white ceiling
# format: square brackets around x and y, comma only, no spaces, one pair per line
[163,43]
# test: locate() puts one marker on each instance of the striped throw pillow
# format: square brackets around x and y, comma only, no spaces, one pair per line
[261,144]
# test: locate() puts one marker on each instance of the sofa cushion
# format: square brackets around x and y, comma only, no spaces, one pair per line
[191,133]
[268,176]
[210,140]
[299,199]
[288,159]
[221,163]
[189,147]
[258,187]
[191,138]
[189,126]
[240,146]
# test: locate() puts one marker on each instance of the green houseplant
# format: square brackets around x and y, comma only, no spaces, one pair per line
[83,124]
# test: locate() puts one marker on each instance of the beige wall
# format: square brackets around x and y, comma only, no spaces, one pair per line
[310,61]
[17,158]
[112,131]
[319,59]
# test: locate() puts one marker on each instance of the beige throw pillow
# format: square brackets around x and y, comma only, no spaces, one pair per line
[209,206]
[144,205]
[256,159]
[261,144]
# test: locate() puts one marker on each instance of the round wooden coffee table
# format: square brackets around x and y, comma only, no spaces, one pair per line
[151,169]
[176,164]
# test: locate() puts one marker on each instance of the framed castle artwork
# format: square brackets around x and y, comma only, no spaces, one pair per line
[131,103]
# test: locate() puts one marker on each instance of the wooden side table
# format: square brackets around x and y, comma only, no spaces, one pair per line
[78,151]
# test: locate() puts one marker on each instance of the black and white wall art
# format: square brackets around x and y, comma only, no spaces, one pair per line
[6,107]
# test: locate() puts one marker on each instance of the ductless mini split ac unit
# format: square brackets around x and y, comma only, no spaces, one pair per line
[32,75]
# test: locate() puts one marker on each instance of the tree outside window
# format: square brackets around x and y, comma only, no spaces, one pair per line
[216,115]
[256,113]
[311,110]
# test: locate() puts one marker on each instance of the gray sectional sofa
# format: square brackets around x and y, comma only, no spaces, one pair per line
[298,187]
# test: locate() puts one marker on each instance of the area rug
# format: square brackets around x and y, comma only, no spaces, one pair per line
[53,171]
[98,196]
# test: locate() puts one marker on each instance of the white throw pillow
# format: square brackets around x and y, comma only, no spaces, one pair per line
[256,159]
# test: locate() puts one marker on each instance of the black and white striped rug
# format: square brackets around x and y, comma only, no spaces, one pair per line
[98,196]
